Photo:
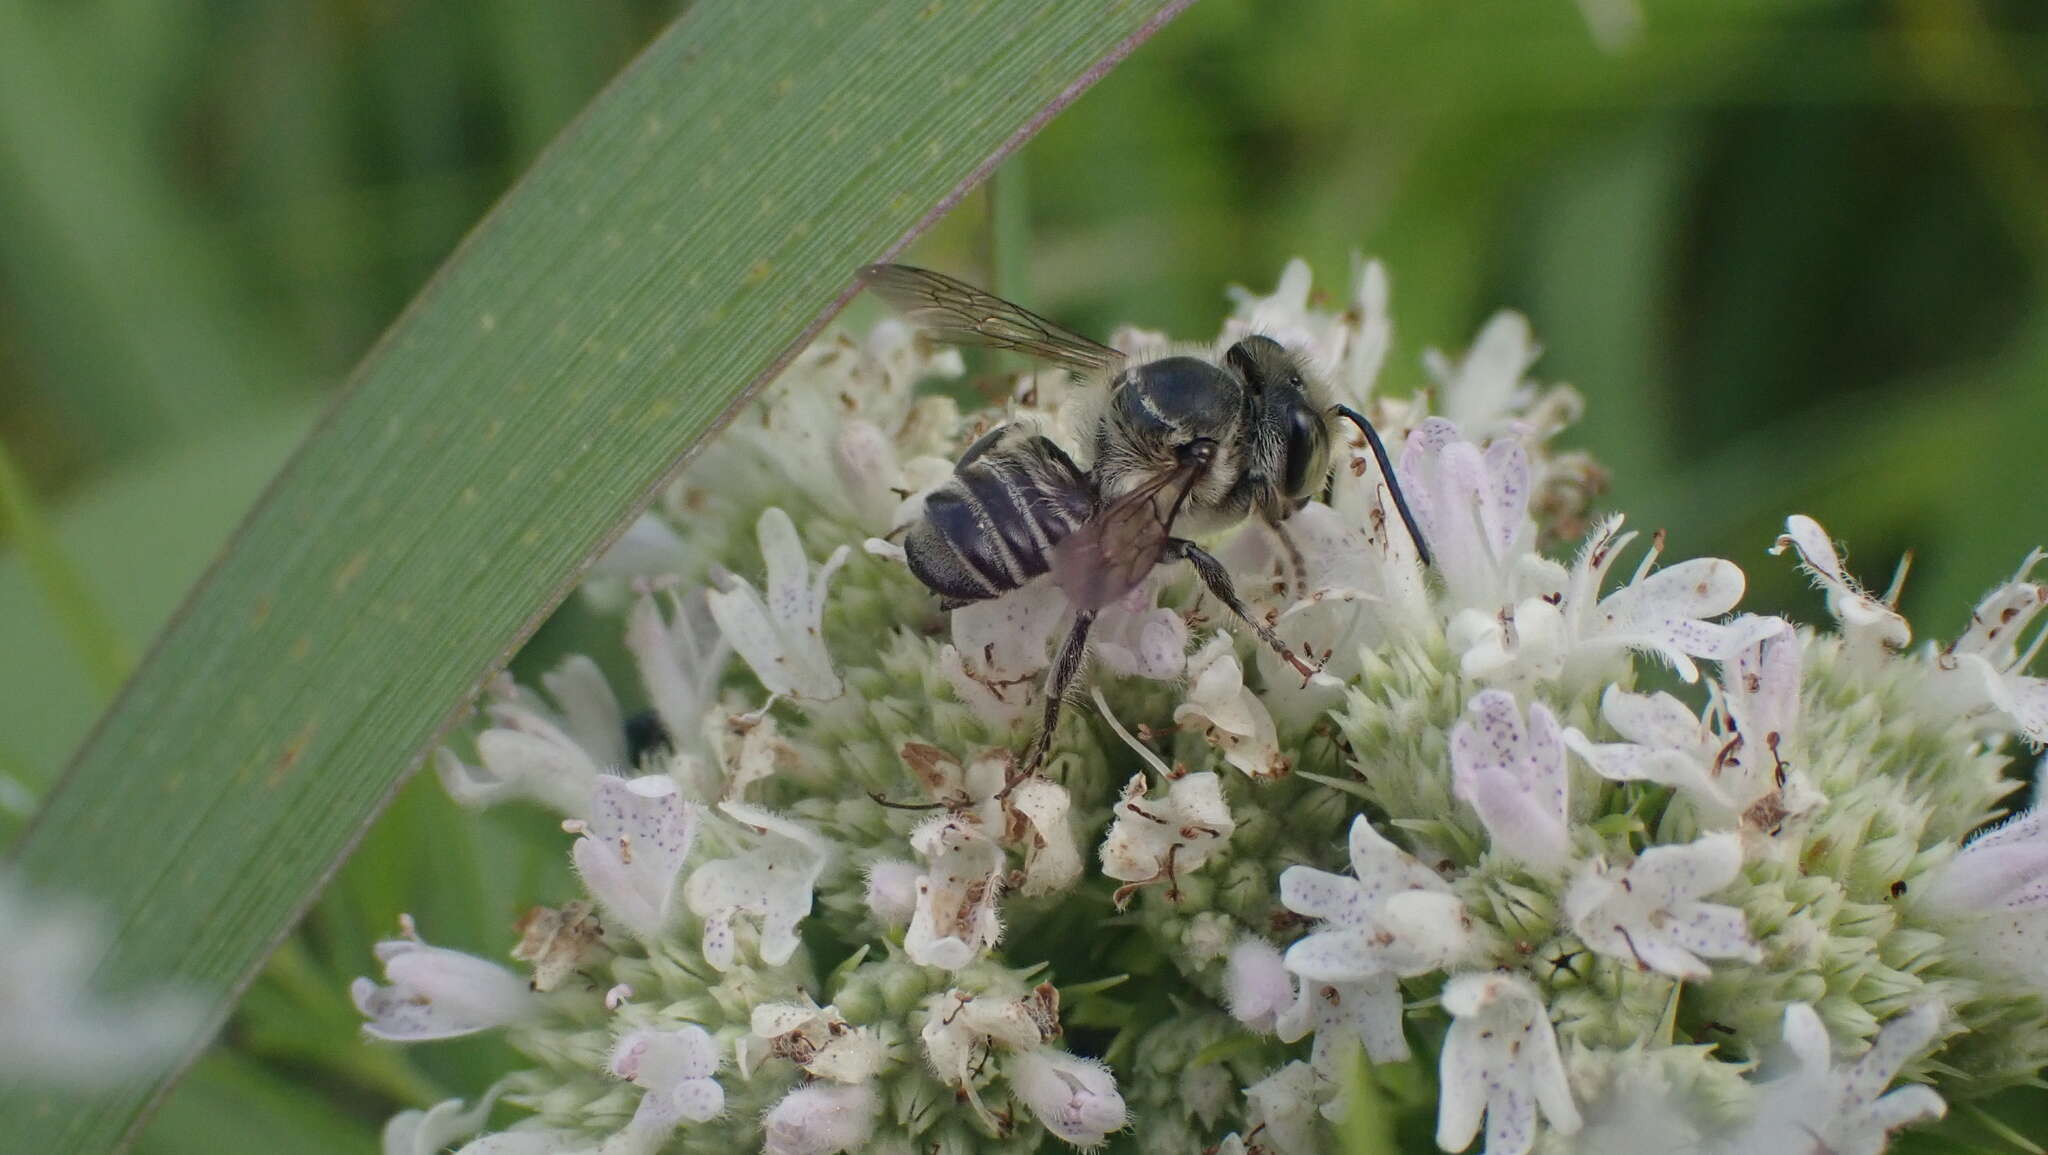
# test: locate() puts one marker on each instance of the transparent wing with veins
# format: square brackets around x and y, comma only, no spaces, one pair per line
[960,314]
[1111,554]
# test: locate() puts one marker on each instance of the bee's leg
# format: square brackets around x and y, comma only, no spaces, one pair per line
[1296,567]
[1064,667]
[1217,579]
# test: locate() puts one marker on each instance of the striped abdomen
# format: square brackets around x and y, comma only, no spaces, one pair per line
[987,531]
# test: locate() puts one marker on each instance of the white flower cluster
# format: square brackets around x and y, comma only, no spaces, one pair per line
[823,915]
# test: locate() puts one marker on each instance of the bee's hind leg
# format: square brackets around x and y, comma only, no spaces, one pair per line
[1217,579]
[1065,666]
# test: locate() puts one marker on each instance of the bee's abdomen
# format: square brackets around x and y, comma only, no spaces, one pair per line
[989,529]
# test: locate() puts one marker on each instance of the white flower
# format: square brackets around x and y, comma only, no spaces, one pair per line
[1662,613]
[1760,682]
[1363,587]
[1158,838]
[771,882]
[1368,1010]
[1842,1109]
[1871,625]
[650,547]
[955,917]
[1368,352]
[884,490]
[961,1030]
[794,440]
[1664,743]
[633,847]
[821,1119]
[436,993]
[1000,645]
[1396,916]
[1756,773]
[1134,638]
[1285,316]
[552,754]
[1486,384]
[678,664]
[817,1039]
[433,1130]
[54,1031]
[1257,987]
[892,891]
[1231,717]
[1033,816]
[676,1068]
[1514,776]
[1568,630]
[1983,673]
[744,749]
[1472,506]
[1345,348]
[531,1141]
[1632,1107]
[1616,25]
[1650,911]
[560,943]
[1285,1109]
[1075,1098]
[1500,1059]
[779,632]
[1052,862]
[960,1027]
[1743,776]
[1994,893]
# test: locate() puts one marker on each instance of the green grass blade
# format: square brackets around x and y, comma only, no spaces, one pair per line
[669,251]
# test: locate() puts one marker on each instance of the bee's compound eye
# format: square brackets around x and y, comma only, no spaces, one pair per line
[1308,452]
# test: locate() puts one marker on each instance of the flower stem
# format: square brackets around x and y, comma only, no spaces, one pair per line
[79,614]
[1009,230]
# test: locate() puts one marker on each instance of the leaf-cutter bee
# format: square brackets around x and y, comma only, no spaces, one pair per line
[1181,446]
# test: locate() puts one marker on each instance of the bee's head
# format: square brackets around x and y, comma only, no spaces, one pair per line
[1290,441]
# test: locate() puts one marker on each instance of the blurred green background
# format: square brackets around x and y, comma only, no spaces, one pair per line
[1795,254]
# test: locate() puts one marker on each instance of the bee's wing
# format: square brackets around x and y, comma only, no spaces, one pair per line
[1117,548]
[1134,532]
[961,314]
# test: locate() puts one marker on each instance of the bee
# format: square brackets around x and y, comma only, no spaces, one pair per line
[1181,446]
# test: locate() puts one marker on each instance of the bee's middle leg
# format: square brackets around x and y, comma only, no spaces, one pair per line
[1217,579]
[1065,665]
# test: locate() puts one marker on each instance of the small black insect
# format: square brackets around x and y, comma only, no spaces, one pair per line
[1181,446]
[646,737]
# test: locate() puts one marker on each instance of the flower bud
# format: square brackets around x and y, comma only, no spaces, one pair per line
[821,1119]
[1075,1098]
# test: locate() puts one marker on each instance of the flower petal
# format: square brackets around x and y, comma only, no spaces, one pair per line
[1513,776]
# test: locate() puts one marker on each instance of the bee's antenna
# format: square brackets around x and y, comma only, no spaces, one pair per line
[1379,453]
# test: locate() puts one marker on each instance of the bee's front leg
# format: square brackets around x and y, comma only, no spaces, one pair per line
[1297,567]
[1217,579]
